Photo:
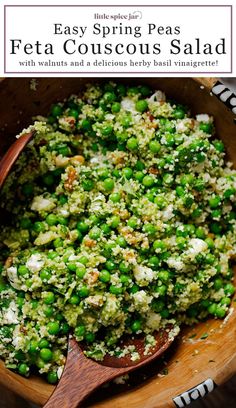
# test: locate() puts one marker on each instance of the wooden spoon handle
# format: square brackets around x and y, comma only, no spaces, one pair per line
[80,378]
[12,154]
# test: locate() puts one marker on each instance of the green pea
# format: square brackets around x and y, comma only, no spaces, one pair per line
[45,354]
[89,337]
[62,221]
[52,377]
[160,202]
[51,219]
[48,179]
[161,290]
[115,221]
[38,227]
[43,343]
[115,290]
[206,127]
[127,172]
[124,267]
[212,308]
[33,347]
[180,192]
[86,124]
[159,245]
[74,300]
[104,276]
[220,312]
[83,226]
[48,311]
[178,113]
[110,265]
[80,271]
[149,229]
[83,260]
[132,143]
[109,97]
[121,242]
[134,289]
[187,179]
[148,181]
[80,331]
[157,305]
[115,197]
[210,243]
[121,89]
[63,199]
[154,146]
[49,298]
[136,326]
[115,108]
[145,90]
[132,222]
[229,289]
[165,313]
[216,228]
[164,276]
[83,291]
[124,280]
[64,328]
[229,193]
[218,284]
[23,369]
[108,184]
[53,328]
[56,110]
[168,179]
[105,228]
[95,233]
[214,202]
[139,175]
[122,137]
[88,185]
[25,223]
[27,189]
[153,262]
[200,233]
[225,301]
[22,270]
[57,243]
[141,105]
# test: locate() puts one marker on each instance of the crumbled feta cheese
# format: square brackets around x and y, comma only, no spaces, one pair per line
[128,105]
[11,315]
[35,263]
[153,320]
[196,246]
[13,277]
[168,213]
[143,275]
[59,372]
[157,96]
[202,117]
[42,204]
[142,300]
[175,263]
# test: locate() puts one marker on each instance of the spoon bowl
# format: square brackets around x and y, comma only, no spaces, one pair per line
[82,375]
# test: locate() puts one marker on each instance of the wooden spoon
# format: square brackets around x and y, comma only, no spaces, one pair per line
[82,376]
[12,155]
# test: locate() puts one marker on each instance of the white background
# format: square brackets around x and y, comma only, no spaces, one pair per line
[207,23]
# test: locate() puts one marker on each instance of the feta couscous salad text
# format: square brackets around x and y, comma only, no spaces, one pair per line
[122,221]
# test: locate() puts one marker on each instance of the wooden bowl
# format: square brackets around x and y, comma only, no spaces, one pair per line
[194,365]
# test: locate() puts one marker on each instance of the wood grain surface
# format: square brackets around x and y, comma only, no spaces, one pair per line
[190,360]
